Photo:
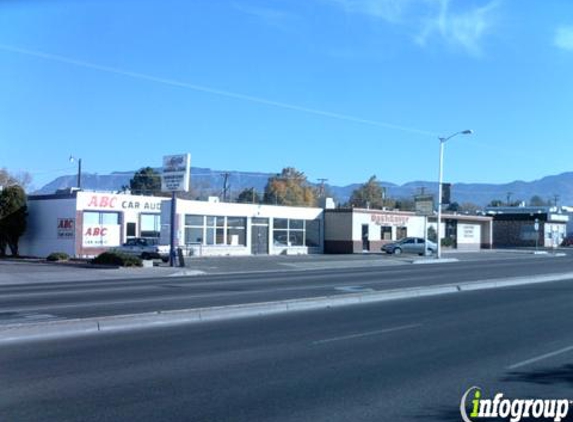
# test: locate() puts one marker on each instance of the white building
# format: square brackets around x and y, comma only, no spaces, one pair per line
[84,224]
[217,228]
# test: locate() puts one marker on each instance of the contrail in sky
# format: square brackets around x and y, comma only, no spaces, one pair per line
[199,88]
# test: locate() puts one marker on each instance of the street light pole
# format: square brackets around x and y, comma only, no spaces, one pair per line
[443,140]
[79,179]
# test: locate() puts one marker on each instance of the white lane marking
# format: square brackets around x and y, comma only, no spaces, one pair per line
[369,333]
[353,289]
[541,357]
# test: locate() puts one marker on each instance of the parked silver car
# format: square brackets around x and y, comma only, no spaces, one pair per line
[410,245]
[145,248]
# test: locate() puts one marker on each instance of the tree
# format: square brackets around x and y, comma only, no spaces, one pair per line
[405,204]
[495,203]
[13,214]
[537,201]
[249,196]
[290,187]
[369,195]
[22,179]
[468,207]
[432,234]
[146,181]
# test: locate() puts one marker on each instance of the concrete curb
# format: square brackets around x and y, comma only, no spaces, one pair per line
[74,327]
[434,261]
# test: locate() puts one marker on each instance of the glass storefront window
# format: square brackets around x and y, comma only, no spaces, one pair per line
[296,224]
[150,225]
[281,223]
[194,220]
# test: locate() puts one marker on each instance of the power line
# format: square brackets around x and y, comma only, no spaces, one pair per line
[208,90]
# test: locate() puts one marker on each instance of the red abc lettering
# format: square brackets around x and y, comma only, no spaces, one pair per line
[93,201]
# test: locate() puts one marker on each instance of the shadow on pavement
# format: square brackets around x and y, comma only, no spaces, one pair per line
[558,375]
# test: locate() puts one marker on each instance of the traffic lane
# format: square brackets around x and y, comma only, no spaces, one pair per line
[395,361]
[109,307]
[458,271]
[147,297]
[455,272]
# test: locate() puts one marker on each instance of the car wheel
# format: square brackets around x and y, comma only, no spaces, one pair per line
[397,251]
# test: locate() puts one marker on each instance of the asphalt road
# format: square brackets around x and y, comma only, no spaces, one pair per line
[407,360]
[54,301]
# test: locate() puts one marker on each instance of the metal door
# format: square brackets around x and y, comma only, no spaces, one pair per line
[260,236]
[365,237]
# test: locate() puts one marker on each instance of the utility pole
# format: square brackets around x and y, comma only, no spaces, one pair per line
[225,186]
[321,188]
[556,199]
[509,198]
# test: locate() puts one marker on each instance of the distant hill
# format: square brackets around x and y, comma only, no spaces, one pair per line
[207,182]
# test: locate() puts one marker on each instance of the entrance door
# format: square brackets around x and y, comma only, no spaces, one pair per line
[365,237]
[260,236]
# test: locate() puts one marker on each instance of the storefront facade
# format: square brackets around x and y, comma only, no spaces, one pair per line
[355,230]
[219,229]
[84,224]
[528,226]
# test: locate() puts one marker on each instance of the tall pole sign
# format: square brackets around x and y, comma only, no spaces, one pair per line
[175,178]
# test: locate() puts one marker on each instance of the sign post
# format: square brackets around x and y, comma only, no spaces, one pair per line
[175,178]
[536,228]
[424,205]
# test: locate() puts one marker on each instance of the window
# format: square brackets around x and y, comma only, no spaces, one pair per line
[194,220]
[295,232]
[193,234]
[130,230]
[150,225]
[100,218]
[194,229]
[215,230]
[386,233]
[236,231]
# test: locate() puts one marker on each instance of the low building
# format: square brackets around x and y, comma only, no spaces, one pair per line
[543,226]
[218,228]
[355,230]
[84,224]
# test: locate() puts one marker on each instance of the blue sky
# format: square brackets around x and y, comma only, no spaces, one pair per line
[340,89]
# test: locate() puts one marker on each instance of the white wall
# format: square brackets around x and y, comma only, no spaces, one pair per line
[376,219]
[468,236]
[41,236]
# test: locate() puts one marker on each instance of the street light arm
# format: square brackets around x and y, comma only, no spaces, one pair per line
[461,132]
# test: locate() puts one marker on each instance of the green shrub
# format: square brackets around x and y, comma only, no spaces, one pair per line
[117,258]
[58,256]
[448,242]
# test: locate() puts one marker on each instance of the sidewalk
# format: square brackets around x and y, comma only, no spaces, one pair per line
[27,272]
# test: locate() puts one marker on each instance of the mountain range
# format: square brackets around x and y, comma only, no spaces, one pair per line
[206,182]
